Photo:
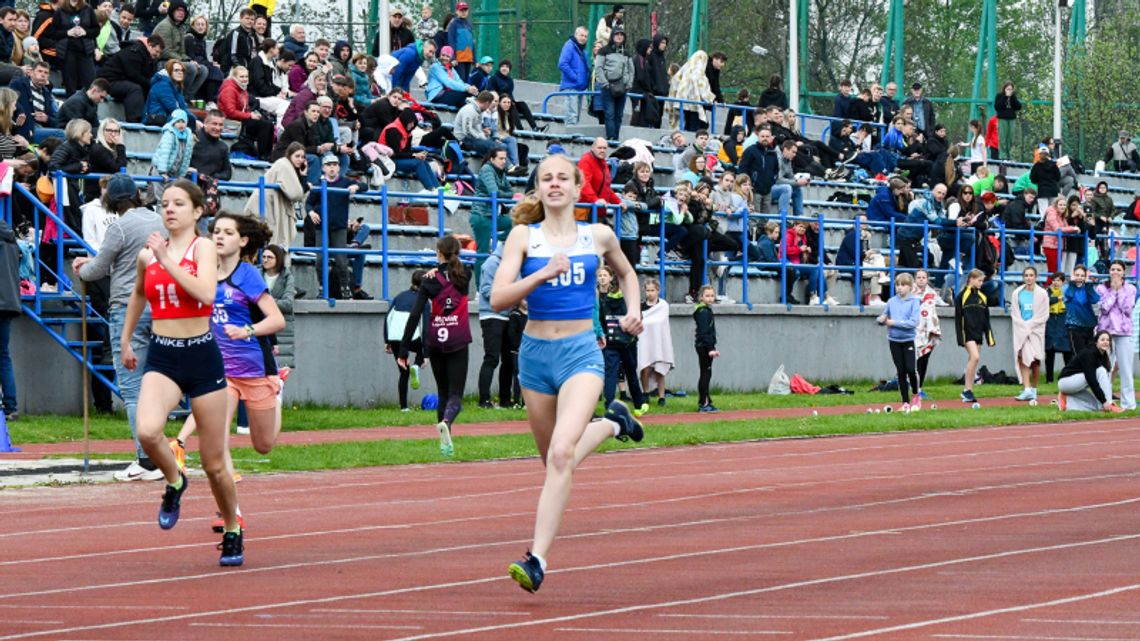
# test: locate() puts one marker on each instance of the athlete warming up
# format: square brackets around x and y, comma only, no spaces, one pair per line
[561,368]
[178,277]
[447,336]
[245,316]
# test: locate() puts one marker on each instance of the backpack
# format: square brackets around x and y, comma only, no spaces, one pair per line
[449,329]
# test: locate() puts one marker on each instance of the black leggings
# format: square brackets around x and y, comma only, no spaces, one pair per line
[923,361]
[496,354]
[1050,356]
[705,363]
[902,353]
[405,374]
[450,371]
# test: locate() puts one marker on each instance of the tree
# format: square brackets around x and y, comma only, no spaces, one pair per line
[1101,98]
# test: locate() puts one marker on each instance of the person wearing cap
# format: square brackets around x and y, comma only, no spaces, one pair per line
[461,39]
[117,258]
[1123,154]
[613,77]
[482,73]
[334,216]
[445,83]
[923,109]
[608,23]
[399,35]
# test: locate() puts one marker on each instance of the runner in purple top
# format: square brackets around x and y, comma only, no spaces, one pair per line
[244,317]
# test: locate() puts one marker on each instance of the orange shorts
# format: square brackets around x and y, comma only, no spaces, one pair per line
[258,393]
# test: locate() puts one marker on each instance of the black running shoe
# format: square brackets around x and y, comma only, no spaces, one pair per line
[527,573]
[630,427]
[233,552]
[171,504]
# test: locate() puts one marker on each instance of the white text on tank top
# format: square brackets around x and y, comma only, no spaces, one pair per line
[569,296]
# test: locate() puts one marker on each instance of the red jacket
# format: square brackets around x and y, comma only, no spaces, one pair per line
[233,101]
[596,181]
[992,133]
[793,247]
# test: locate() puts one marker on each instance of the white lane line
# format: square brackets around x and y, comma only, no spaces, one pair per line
[1034,638]
[323,626]
[30,622]
[52,606]
[690,632]
[636,608]
[644,504]
[1083,621]
[485,613]
[989,613]
[841,617]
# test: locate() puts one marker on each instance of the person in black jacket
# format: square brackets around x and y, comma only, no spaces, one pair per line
[301,131]
[198,51]
[85,104]
[761,163]
[72,158]
[107,155]
[1006,106]
[129,73]
[1085,383]
[862,108]
[712,72]
[774,95]
[9,308]
[74,28]
[645,112]
[705,343]
[1015,216]
[211,156]
[659,65]
[1047,176]
[399,35]
[502,83]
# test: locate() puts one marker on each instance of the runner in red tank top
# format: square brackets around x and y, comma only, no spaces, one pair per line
[179,279]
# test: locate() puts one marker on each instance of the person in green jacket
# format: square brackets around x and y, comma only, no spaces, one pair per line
[492,181]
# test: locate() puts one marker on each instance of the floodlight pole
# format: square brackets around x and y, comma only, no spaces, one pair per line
[794,53]
[1057,70]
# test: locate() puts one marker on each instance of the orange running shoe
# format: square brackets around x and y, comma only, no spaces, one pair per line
[179,453]
[237,477]
[284,372]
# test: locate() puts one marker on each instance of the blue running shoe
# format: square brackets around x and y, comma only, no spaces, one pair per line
[708,409]
[629,427]
[968,397]
[171,504]
[527,573]
[233,551]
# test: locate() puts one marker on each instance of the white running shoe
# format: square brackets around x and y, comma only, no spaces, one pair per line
[830,301]
[136,472]
[814,300]
[445,446]
[242,429]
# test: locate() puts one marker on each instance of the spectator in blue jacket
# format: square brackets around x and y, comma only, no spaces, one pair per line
[335,217]
[887,203]
[171,158]
[411,58]
[461,39]
[36,104]
[445,84]
[575,72]
[166,96]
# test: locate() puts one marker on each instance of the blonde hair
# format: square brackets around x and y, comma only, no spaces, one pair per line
[76,128]
[982,172]
[613,277]
[975,273]
[8,99]
[904,279]
[529,210]
[651,282]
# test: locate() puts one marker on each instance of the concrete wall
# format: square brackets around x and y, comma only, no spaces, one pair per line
[48,379]
[341,359]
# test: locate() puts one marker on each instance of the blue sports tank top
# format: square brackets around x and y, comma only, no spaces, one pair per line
[571,295]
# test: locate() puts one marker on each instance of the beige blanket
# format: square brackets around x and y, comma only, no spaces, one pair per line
[655,344]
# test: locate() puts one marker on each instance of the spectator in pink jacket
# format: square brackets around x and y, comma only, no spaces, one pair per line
[1117,298]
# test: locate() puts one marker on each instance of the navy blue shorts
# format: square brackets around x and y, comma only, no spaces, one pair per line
[194,364]
[544,364]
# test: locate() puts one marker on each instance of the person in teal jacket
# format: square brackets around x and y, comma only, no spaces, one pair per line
[492,180]
[171,157]
[445,84]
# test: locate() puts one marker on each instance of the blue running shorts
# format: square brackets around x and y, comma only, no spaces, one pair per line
[544,365]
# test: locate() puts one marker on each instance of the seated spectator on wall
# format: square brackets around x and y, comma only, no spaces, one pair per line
[167,95]
[198,51]
[211,156]
[129,73]
[12,144]
[172,30]
[397,136]
[316,85]
[473,129]
[445,85]
[36,105]
[267,79]
[107,155]
[1123,154]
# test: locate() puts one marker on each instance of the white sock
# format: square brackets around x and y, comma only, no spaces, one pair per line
[617,428]
[541,561]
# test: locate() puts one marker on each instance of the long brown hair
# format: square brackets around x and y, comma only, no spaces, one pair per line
[950,169]
[529,210]
[449,247]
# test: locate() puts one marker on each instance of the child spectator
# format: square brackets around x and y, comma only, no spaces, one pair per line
[628,229]
[705,343]
[516,324]
[1056,336]
[1117,299]
[972,327]
[928,333]
[646,194]
[1080,319]
[769,255]
[621,348]
[1085,384]
[901,318]
[171,158]
[1030,313]
[399,315]
[32,55]
[655,345]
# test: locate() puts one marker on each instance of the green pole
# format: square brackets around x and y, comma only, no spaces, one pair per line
[979,60]
[488,31]
[695,28]
[805,101]
[595,15]
[992,79]
[888,50]
[373,9]
[899,43]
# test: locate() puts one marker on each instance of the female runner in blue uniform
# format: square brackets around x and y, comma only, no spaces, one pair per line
[178,277]
[561,368]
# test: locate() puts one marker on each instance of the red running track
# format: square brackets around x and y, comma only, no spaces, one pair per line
[1000,533]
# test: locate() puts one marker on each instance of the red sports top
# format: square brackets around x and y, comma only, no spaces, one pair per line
[168,300]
